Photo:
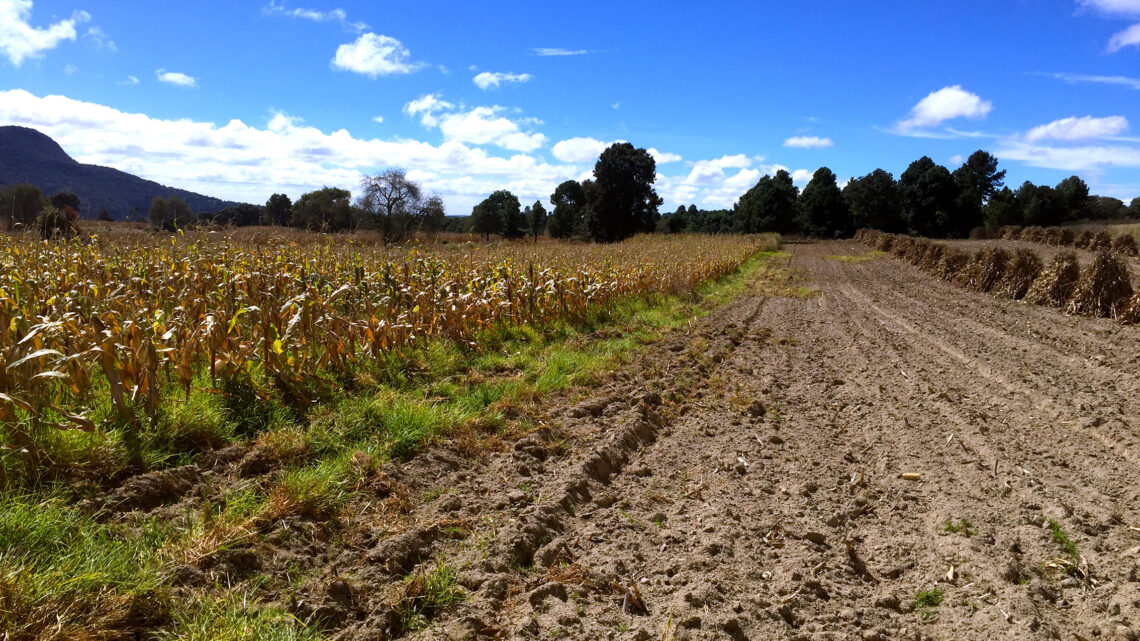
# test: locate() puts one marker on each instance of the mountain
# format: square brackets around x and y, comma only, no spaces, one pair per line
[28,156]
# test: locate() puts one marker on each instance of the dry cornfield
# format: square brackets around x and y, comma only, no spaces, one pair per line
[122,323]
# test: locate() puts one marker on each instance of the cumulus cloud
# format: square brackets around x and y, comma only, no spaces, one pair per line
[488,80]
[663,157]
[248,163]
[375,55]
[945,104]
[337,15]
[808,142]
[555,51]
[1073,128]
[1130,37]
[479,125]
[175,78]
[19,40]
[579,149]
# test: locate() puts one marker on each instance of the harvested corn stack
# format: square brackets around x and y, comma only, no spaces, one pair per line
[953,261]
[917,250]
[1056,282]
[1068,239]
[1023,269]
[933,256]
[1053,236]
[1125,244]
[979,233]
[1100,241]
[884,242]
[1104,287]
[1033,234]
[985,270]
[1009,232]
[1082,240]
[901,246]
[1131,312]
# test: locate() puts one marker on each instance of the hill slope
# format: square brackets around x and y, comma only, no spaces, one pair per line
[28,156]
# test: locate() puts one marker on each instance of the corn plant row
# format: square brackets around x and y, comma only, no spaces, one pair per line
[1123,244]
[128,321]
[1102,288]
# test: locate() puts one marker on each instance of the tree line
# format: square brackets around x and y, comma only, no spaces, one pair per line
[927,199]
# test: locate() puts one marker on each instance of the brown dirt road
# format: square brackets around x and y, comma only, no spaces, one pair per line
[789,518]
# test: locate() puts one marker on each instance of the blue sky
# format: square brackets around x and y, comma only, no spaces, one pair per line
[244,99]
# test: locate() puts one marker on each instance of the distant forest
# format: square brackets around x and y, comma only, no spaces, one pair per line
[927,199]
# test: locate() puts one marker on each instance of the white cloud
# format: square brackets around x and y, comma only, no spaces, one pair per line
[736,161]
[101,39]
[488,80]
[378,119]
[579,149]
[479,125]
[337,15]
[175,78]
[1076,78]
[131,80]
[1081,158]
[1125,7]
[957,159]
[555,51]
[486,125]
[663,157]
[801,176]
[616,105]
[19,40]
[1130,37]
[1073,128]
[70,69]
[945,104]
[375,55]
[808,142]
[248,163]
[427,107]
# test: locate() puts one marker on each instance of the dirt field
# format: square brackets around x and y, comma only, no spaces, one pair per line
[869,454]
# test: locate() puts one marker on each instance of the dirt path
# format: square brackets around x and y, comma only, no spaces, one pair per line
[745,481]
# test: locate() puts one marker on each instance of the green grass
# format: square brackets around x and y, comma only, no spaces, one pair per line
[428,592]
[237,616]
[927,600]
[963,526]
[858,258]
[1064,540]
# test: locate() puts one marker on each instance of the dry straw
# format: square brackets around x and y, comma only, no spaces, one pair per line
[1055,284]
[953,261]
[1100,241]
[1125,244]
[1023,269]
[1131,312]
[985,270]
[1104,287]
[1082,240]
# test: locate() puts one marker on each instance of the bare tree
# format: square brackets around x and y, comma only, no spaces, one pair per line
[394,204]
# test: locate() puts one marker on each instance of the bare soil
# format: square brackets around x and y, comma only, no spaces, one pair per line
[789,467]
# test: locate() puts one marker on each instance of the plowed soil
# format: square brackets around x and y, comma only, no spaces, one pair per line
[869,454]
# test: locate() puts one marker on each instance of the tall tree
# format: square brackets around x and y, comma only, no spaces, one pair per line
[536,219]
[434,215]
[393,203]
[978,179]
[874,202]
[499,214]
[1134,209]
[570,205]
[821,210]
[65,199]
[928,194]
[1001,210]
[158,216]
[1074,194]
[277,210]
[1040,205]
[769,206]
[325,210]
[21,203]
[625,202]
